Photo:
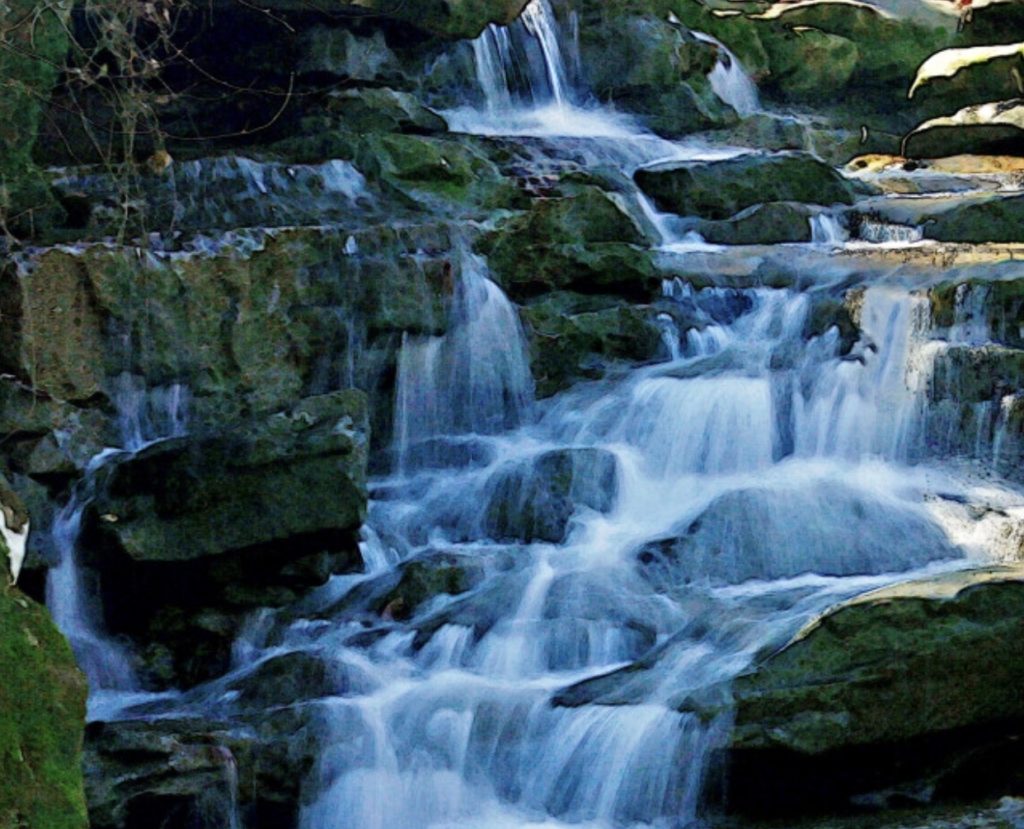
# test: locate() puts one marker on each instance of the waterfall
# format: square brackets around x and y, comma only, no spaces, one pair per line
[884,233]
[71,600]
[872,403]
[475,379]
[144,416]
[539,20]
[504,705]
[826,230]
[730,81]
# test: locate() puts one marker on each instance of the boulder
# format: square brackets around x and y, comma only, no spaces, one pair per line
[645,65]
[535,499]
[425,579]
[191,533]
[810,65]
[911,688]
[42,717]
[383,110]
[721,189]
[763,224]
[992,220]
[446,175]
[584,241]
[295,474]
[758,533]
[575,337]
[995,128]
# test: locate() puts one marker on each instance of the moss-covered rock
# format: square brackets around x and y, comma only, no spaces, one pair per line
[721,189]
[645,65]
[575,337]
[442,174]
[296,474]
[245,326]
[810,65]
[585,241]
[42,718]
[762,224]
[424,580]
[193,771]
[993,220]
[911,684]
[189,534]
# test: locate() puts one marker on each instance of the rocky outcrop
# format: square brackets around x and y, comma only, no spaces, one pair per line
[645,65]
[992,220]
[179,771]
[577,337]
[190,533]
[913,687]
[242,326]
[720,189]
[535,499]
[42,717]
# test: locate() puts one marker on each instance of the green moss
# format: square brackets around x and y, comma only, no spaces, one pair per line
[882,672]
[996,220]
[575,337]
[42,718]
[721,189]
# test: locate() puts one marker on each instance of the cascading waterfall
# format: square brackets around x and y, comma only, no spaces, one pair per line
[504,705]
[827,230]
[610,555]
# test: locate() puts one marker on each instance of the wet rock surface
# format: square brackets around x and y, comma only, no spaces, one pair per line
[887,693]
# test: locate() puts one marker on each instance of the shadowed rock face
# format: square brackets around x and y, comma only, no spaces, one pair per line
[905,690]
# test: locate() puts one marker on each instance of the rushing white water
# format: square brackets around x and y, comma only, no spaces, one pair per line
[730,81]
[612,553]
[767,462]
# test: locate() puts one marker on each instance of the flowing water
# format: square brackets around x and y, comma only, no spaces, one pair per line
[620,550]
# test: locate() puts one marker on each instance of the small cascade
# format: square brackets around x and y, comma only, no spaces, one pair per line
[826,229]
[730,81]
[148,415]
[523,65]
[475,379]
[885,233]
[72,601]
[145,416]
[873,402]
